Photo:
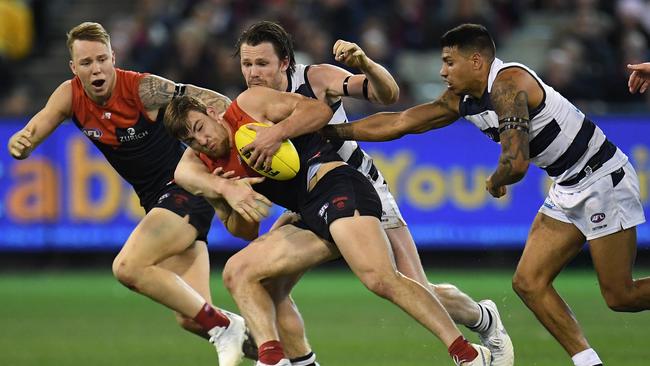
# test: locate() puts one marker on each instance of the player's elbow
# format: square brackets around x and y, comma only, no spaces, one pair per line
[182,178]
[391,97]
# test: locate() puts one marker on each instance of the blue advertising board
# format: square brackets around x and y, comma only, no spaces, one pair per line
[67,197]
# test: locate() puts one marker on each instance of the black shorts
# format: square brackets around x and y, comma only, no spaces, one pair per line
[338,194]
[181,202]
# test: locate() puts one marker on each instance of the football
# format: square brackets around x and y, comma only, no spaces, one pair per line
[286,162]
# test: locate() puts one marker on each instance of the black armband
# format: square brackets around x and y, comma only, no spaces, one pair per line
[365,89]
[345,86]
[179,90]
[513,123]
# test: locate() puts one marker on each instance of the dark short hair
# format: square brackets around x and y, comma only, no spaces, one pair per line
[470,37]
[273,33]
[176,115]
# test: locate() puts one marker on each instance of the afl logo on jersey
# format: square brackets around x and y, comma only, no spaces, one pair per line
[93,133]
[598,217]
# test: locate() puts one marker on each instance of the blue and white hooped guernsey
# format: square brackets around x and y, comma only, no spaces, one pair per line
[563,141]
[349,151]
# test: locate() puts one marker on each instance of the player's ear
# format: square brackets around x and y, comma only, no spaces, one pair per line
[211,112]
[477,60]
[284,65]
[72,67]
[113,56]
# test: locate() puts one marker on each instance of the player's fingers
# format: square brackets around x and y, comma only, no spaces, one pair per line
[358,53]
[244,214]
[336,46]
[253,127]
[26,141]
[217,170]
[638,67]
[254,180]
[269,161]
[634,81]
[263,200]
[30,130]
[228,174]
[644,86]
[15,151]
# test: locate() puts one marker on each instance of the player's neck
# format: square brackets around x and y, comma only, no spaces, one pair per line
[284,84]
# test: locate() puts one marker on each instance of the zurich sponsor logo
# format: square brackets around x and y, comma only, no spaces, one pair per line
[597,217]
[93,133]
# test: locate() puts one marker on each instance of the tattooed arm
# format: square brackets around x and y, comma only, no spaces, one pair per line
[514,92]
[386,126]
[155,92]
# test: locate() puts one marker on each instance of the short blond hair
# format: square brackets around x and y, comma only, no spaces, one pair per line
[176,115]
[88,31]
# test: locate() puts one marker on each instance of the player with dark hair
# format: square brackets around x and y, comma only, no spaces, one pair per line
[267,59]
[339,215]
[165,258]
[595,191]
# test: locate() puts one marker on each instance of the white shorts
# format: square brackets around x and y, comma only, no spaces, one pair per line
[600,208]
[390,216]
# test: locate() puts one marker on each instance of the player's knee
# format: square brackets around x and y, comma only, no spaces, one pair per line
[619,300]
[525,285]
[125,272]
[378,282]
[235,273]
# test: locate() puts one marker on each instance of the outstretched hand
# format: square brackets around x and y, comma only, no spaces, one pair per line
[266,144]
[350,54]
[640,78]
[20,145]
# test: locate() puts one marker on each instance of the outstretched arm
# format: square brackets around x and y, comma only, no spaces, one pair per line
[57,109]
[639,80]
[292,114]
[387,126]
[513,92]
[156,92]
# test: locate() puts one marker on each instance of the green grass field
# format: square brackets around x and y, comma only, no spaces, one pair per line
[89,319]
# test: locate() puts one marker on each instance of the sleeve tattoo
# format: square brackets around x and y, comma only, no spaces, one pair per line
[156,92]
[511,105]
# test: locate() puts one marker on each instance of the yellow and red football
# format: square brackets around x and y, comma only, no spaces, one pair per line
[286,161]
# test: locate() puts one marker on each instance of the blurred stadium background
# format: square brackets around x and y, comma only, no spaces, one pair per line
[64,213]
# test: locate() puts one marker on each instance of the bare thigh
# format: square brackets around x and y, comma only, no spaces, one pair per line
[551,244]
[159,235]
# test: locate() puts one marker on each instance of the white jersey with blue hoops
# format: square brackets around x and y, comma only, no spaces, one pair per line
[563,141]
[350,151]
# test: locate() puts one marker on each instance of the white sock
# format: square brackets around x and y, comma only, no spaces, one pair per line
[484,320]
[306,360]
[588,357]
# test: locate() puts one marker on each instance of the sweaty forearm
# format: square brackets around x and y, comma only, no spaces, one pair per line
[199,183]
[382,86]
[211,98]
[309,116]
[378,127]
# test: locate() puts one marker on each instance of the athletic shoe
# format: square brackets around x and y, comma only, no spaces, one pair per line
[249,347]
[229,341]
[282,362]
[483,359]
[496,338]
